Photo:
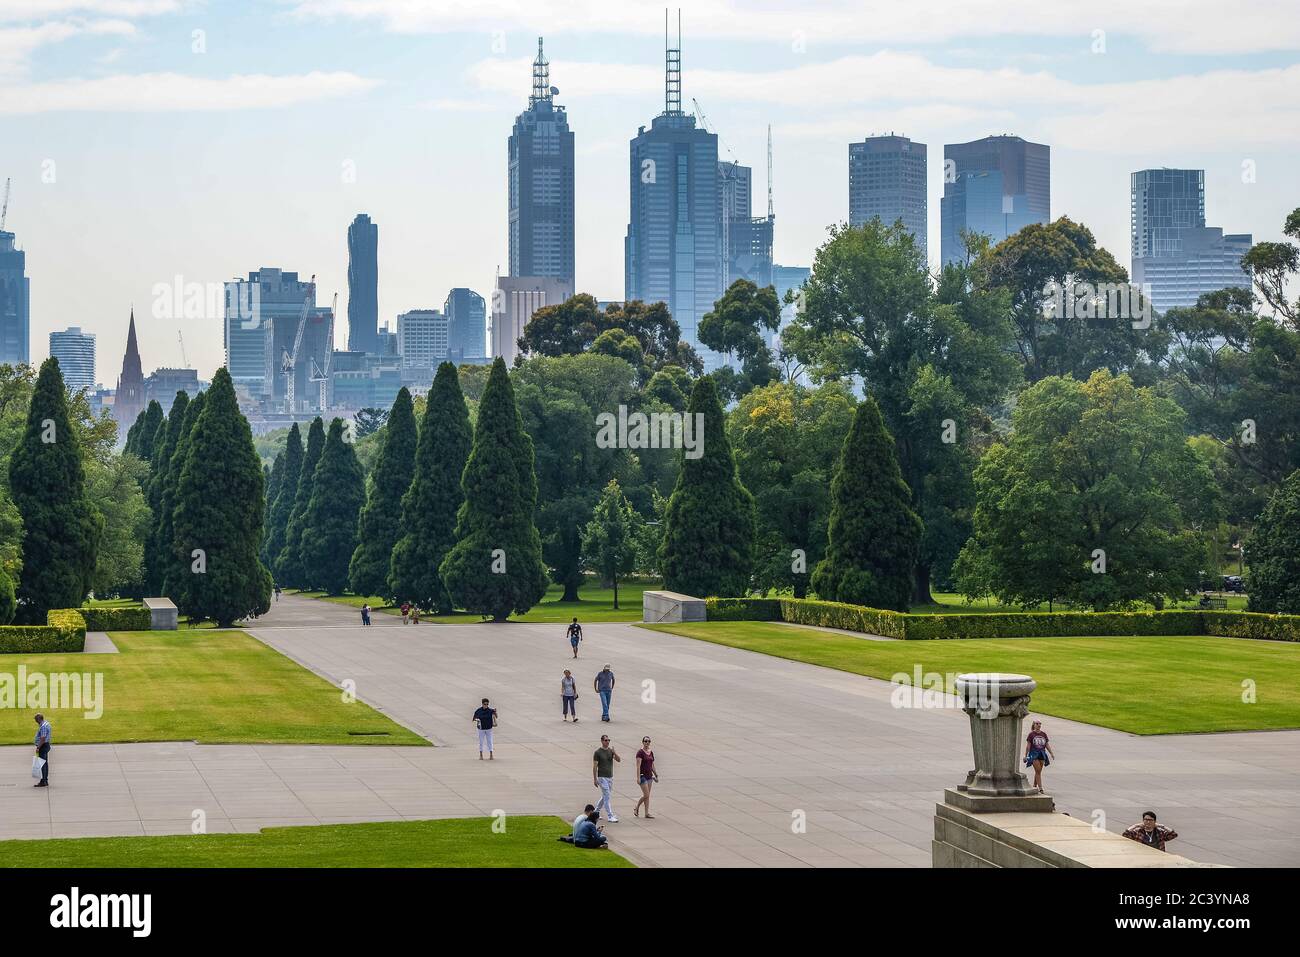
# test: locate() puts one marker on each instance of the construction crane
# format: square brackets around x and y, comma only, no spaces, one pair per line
[321,374]
[4,210]
[185,360]
[289,360]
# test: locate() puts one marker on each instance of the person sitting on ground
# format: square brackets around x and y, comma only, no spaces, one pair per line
[1150,833]
[577,823]
[590,836]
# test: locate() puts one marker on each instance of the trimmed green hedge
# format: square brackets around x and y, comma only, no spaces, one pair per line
[1062,624]
[64,631]
[116,619]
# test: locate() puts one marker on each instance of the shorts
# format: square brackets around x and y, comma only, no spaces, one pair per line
[485,739]
[1037,755]
[646,779]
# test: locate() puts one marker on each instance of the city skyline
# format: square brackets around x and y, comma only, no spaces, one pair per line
[178,182]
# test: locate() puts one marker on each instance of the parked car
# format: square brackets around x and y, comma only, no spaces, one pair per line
[1233,583]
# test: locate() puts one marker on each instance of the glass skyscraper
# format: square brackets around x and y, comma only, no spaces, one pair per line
[995,186]
[15,303]
[673,252]
[541,183]
[75,351]
[887,179]
[1175,254]
[363,285]
[466,314]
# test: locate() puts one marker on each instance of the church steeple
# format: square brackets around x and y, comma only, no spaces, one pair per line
[129,400]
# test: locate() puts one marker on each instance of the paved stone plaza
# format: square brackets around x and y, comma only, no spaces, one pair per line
[742,740]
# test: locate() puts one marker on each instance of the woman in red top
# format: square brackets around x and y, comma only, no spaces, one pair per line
[646,776]
[1038,752]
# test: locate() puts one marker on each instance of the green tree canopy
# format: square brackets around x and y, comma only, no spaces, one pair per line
[289,571]
[609,539]
[380,526]
[1273,551]
[329,532]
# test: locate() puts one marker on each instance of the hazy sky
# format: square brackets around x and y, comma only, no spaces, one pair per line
[141,150]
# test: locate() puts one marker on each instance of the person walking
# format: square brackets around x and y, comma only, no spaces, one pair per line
[575,636]
[602,775]
[485,719]
[415,614]
[569,696]
[406,611]
[646,777]
[365,615]
[277,592]
[604,685]
[1038,753]
[42,742]
[1150,833]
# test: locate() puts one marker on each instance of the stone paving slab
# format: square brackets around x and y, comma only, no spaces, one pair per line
[747,746]
[98,643]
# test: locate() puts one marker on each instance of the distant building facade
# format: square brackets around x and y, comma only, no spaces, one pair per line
[263,314]
[541,184]
[15,303]
[75,351]
[162,384]
[995,186]
[422,337]
[129,399]
[746,238]
[1175,255]
[887,179]
[363,284]
[515,301]
[466,314]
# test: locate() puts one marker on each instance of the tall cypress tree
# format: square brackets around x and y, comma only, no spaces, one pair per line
[282,505]
[288,565]
[381,519]
[274,477]
[133,433]
[329,534]
[708,542]
[496,566]
[156,549]
[48,483]
[151,422]
[219,511]
[174,571]
[873,535]
[430,505]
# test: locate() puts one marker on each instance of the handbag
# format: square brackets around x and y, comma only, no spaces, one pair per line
[38,764]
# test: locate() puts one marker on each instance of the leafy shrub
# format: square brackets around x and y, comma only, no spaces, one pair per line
[64,631]
[1245,624]
[743,609]
[116,619]
[1046,624]
[834,614]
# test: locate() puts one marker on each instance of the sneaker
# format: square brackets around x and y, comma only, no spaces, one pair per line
[612,819]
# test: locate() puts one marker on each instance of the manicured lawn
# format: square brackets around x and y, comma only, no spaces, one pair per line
[463,842]
[215,687]
[948,603]
[1143,685]
[596,604]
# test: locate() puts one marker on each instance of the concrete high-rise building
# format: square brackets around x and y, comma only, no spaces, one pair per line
[75,351]
[1175,255]
[887,179]
[15,303]
[746,238]
[262,317]
[674,251]
[363,285]
[162,384]
[129,400]
[541,187]
[515,301]
[466,314]
[422,337]
[995,186]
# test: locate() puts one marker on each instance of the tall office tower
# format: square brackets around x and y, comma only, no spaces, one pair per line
[746,238]
[129,400]
[15,301]
[541,183]
[163,383]
[513,304]
[1173,250]
[467,324]
[363,285]
[674,252]
[887,179]
[995,186]
[263,313]
[422,337]
[75,351]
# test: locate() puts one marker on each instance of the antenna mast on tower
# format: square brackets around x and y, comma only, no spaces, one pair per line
[541,78]
[770,214]
[673,69]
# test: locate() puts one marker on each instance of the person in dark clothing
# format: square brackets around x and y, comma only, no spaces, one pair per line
[42,742]
[590,836]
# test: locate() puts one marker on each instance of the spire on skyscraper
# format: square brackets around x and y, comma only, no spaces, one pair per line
[128,402]
[541,78]
[673,69]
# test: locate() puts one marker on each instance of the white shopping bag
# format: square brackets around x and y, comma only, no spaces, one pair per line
[38,764]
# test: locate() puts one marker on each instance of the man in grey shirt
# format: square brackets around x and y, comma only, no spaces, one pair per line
[604,685]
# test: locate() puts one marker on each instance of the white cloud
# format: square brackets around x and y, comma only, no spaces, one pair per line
[1176,26]
[30,10]
[17,44]
[162,92]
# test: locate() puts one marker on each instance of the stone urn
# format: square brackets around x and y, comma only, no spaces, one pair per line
[996,705]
